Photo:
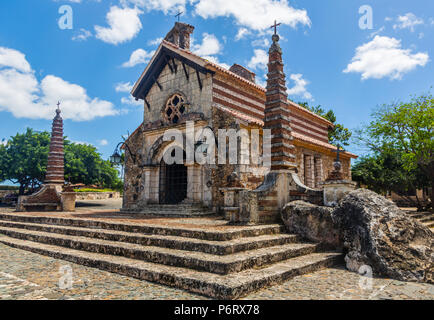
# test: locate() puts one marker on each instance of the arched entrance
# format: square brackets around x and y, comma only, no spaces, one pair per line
[173,182]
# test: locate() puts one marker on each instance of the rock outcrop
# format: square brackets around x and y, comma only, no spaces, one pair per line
[373,232]
[313,223]
[377,233]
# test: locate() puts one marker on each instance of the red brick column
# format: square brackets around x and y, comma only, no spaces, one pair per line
[309,171]
[55,165]
[277,112]
[318,172]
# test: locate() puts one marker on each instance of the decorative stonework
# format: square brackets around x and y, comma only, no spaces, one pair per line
[277,112]
[55,164]
[174,109]
[50,197]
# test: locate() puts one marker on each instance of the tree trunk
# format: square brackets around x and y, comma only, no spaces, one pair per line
[22,189]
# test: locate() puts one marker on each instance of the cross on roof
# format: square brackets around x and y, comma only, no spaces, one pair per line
[178,14]
[275,25]
[58,104]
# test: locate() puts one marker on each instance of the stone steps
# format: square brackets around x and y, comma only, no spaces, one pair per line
[194,260]
[230,286]
[202,255]
[174,242]
[426,218]
[168,210]
[421,215]
[197,233]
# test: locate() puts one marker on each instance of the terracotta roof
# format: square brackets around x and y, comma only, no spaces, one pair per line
[213,65]
[240,115]
[329,146]
[297,106]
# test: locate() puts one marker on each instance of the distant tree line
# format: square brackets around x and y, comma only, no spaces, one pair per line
[23,161]
[401,145]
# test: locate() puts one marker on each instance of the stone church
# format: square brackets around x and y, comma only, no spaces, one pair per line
[178,86]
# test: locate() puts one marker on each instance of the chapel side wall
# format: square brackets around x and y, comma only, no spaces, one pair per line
[309,125]
[247,100]
[133,186]
[199,100]
[326,160]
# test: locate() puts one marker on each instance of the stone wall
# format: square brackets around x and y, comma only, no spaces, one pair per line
[97,195]
[176,82]
[321,165]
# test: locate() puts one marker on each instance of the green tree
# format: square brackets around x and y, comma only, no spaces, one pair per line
[383,172]
[338,134]
[83,164]
[406,129]
[23,160]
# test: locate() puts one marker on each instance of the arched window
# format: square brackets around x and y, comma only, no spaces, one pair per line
[175,108]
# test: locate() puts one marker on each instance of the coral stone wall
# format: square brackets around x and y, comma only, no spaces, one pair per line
[176,82]
[322,165]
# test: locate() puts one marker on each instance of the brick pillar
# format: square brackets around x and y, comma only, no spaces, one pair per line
[318,171]
[55,164]
[277,112]
[309,171]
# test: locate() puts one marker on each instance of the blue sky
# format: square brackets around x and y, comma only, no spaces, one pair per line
[329,59]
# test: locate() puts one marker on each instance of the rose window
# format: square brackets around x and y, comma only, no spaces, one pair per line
[175,108]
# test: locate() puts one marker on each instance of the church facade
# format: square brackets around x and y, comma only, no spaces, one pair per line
[178,87]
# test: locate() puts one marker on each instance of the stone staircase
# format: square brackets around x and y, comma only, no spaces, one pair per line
[223,262]
[426,218]
[171,210]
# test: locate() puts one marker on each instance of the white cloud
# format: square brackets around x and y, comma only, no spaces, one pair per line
[261,43]
[256,15]
[25,97]
[124,87]
[210,45]
[407,21]
[103,142]
[155,42]
[259,60]
[216,61]
[373,34]
[128,100]
[242,32]
[299,88]
[14,59]
[167,6]
[4,142]
[124,25]
[384,57]
[139,56]
[82,35]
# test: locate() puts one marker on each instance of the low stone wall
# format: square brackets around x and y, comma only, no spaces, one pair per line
[97,195]
[4,193]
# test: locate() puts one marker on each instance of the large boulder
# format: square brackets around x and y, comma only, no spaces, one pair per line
[378,234]
[313,223]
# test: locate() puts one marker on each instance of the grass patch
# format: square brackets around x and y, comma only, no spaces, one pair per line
[94,190]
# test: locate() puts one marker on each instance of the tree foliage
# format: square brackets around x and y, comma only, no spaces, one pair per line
[338,134]
[404,129]
[23,160]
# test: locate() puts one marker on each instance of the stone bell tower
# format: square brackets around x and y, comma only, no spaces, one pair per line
[180,35]
[277,111]
[51,196]
[55,164]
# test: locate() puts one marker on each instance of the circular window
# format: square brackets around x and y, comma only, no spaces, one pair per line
[174,109]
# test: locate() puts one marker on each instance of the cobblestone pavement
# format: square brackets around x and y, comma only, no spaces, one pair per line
[25,275]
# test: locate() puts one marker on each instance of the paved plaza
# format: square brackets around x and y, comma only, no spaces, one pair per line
[30,276]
